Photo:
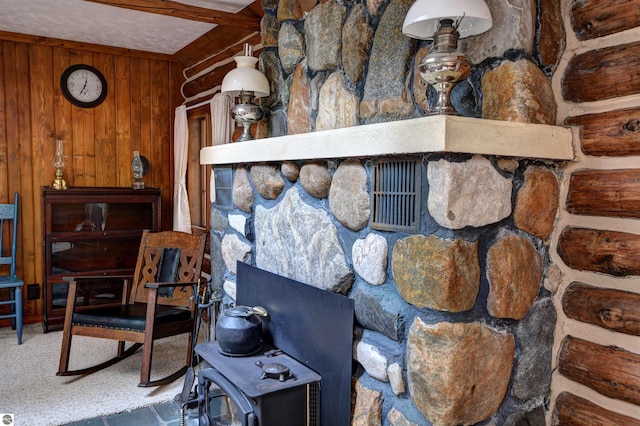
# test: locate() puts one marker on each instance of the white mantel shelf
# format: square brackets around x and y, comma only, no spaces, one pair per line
[430,134]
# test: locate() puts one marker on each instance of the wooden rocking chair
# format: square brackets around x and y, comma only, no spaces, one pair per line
[158,304]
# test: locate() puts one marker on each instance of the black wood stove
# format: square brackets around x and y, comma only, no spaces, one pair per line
[302,374]
[269,388]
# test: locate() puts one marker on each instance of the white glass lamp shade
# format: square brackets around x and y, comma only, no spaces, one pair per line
[424,16]
[245,78]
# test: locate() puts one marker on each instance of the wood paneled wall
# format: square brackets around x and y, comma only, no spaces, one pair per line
[98,142]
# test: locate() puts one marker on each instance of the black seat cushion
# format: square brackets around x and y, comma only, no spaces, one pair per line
[128,317]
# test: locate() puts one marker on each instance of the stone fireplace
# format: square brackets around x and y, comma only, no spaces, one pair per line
[454,323]
[455,317]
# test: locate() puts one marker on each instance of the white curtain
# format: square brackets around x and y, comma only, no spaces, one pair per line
[181,213]
[223,126]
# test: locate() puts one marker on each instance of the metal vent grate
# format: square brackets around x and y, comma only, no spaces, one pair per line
[395,200]
[314,404]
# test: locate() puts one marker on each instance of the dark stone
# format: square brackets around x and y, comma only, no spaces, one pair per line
[378,309]
[387,94]
[533,417]
[272,69]
[535,332]
[278,123]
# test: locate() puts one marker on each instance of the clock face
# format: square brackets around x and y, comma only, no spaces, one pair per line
[84,86]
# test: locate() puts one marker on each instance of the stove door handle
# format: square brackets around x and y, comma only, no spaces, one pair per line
[245,408]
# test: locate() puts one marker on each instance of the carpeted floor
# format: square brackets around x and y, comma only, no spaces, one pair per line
[30,389]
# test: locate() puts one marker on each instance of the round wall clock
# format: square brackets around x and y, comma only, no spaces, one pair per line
[83,85]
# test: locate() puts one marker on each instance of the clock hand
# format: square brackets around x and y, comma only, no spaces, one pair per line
[82,91]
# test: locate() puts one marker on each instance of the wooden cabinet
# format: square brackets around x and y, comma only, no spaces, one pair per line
[92,231]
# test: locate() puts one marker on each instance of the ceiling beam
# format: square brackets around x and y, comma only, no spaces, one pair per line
[180,10]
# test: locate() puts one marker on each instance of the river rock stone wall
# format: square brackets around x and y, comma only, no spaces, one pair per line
[455,322]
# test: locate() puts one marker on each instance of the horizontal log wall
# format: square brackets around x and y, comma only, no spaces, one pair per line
[571,410]
[614,193]
[98,142]
[614,310]
[610,252]
[599,94]
[596,18]
[603,74]
[612,133]
[611,371]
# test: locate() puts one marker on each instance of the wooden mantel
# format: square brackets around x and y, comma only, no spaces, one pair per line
[431,134]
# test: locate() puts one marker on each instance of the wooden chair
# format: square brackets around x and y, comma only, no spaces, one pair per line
[8,251]
[159,304]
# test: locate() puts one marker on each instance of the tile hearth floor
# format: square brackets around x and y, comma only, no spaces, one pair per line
[166,414]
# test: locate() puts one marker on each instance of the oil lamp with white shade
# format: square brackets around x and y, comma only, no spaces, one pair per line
[246,83]
[444,23]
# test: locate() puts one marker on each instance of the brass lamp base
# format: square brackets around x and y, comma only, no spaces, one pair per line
[245,113]
[58,182]
[444,67]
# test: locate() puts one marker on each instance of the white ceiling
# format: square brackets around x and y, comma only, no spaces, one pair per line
[82,21]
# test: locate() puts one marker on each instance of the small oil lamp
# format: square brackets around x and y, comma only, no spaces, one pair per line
[58,164]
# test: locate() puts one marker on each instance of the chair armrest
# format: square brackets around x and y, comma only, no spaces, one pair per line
[171,284]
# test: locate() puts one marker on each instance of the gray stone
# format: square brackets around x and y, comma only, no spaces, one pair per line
[532,417]
[315,178]
[386,91]
[279,86]
[300,242]
[243,196]
[458,373]
[234,250]
[217,262]
[323,29]
[356,40]
[290,170]
[337,105]
[242,224]
[513,28]
[533,368]
[435,273]
[379,310]
[277,123]
[267,180]
[348,196]
[374,363]
[290,46]
[218,222]
[370,258]
[396,379]
[471,193]
[230,289]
